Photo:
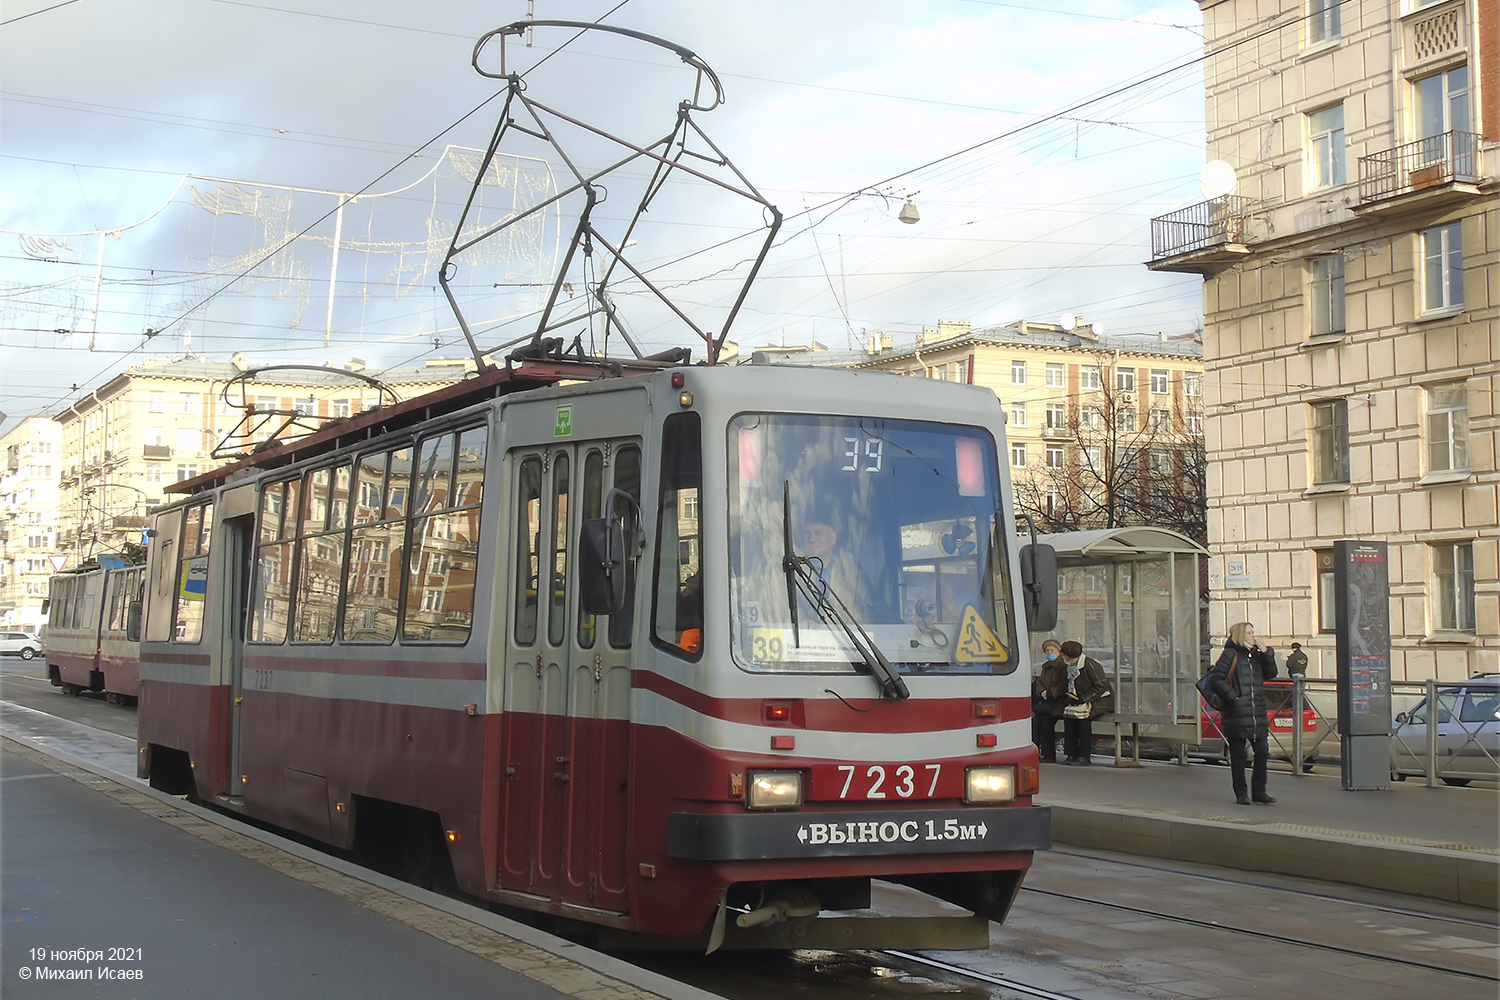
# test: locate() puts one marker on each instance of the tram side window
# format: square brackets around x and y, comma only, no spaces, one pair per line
[592,500]
[557,564]
[372,588]
[192,577]
[444,555]
[273,567]
[627,480]
[528,540]
[161,598]
[320,554]
[678,599]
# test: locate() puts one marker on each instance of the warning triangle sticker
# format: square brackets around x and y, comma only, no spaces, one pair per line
[976,642]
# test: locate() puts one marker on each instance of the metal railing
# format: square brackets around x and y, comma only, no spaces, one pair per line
[1415,166]
[1207,224]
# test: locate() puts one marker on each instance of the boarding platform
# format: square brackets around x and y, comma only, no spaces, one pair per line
[1441,842]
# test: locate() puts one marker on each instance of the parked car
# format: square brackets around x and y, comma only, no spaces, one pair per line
[22,644]
[1280,716]
[1468,733]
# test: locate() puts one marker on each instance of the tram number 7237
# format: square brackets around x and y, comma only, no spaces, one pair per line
[903,781]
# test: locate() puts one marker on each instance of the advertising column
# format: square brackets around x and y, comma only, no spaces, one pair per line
[1363,632]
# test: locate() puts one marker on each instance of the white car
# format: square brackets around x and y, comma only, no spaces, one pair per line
[22,644]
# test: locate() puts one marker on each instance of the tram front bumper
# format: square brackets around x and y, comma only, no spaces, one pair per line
[765,836]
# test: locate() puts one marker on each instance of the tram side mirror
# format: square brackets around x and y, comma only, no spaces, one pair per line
[1039,586]
[133,622]
[601,566]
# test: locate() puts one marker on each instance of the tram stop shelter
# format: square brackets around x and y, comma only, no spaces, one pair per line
[1132,597]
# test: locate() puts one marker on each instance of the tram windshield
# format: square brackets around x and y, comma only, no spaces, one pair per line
[898,520]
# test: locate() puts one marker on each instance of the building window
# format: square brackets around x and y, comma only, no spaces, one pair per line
[186,471]
[1331,441]
[1056,416]
[1325,295]
[305,407]
[1161,421]
[1125,419]
[157,403]
[1322,21]
[1088,378]
[1443,268]
[1447,428]
[153,474]
[340,407]
[1054,456]
[1194,423]
[1125,380]
[1161,460]
[1090,419]
[1159,381]
[187,402]
[1325,147]
[1192,383]
[1018,456]
[1018,373]
[1442,106]
[1052,502]
[1018,414]
[1094,457]
[1054,376]
[1453,574]
[1327,591]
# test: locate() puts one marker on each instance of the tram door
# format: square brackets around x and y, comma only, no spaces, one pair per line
[567,686]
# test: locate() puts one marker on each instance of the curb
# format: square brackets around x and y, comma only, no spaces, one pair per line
[1415,870]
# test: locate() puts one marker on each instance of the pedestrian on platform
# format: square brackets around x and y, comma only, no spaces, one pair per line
[1296,661]
[1088,697]
[1238,678]
[1047,694]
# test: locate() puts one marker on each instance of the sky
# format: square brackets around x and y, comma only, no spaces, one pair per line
[153,154]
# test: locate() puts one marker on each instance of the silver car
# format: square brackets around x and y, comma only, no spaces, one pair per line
[22,644]
[1468,733]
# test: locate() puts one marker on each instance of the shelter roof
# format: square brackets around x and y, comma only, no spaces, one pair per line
[1121,543]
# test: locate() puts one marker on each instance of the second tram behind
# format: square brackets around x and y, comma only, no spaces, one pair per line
[94,631]
[691,655]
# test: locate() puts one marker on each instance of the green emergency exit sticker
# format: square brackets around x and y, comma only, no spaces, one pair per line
[563,427]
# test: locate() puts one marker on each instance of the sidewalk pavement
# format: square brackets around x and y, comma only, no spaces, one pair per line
[1440,842]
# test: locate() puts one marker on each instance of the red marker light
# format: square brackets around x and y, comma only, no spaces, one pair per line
[778,713]
[783,742]
[678,380]
[986,710]
[969,458]
[986,740]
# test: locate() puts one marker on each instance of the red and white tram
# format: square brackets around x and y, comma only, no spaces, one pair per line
[94,631]
[692,655]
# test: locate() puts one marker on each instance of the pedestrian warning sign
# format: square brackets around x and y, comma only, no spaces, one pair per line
[977,643]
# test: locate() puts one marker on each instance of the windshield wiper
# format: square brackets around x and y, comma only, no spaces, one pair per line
[800,576]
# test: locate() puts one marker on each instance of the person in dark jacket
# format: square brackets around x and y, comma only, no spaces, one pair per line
[1086,686]
[1047,694]
[1238,678]
[1296,661]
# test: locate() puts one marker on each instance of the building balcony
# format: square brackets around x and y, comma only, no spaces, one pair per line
[156,451]
[1204,238]
[1437,169]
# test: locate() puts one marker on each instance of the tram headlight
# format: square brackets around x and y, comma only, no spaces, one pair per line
[774,790]
[990,784]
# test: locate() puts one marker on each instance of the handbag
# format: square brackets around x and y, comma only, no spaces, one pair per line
[1206,688]
[1079,711]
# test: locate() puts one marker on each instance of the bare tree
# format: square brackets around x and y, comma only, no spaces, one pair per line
[1111,462]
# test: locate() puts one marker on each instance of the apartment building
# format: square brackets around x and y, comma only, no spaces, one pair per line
[1351,294]
[28,520]
[159,423]
[1101,430]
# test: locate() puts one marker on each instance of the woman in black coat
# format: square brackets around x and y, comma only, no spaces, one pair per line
[1238,679]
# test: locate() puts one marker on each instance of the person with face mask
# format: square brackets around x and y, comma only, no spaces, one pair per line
[1047,701]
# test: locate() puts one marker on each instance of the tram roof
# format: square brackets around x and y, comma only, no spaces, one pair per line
[529,374]
[1104,544]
